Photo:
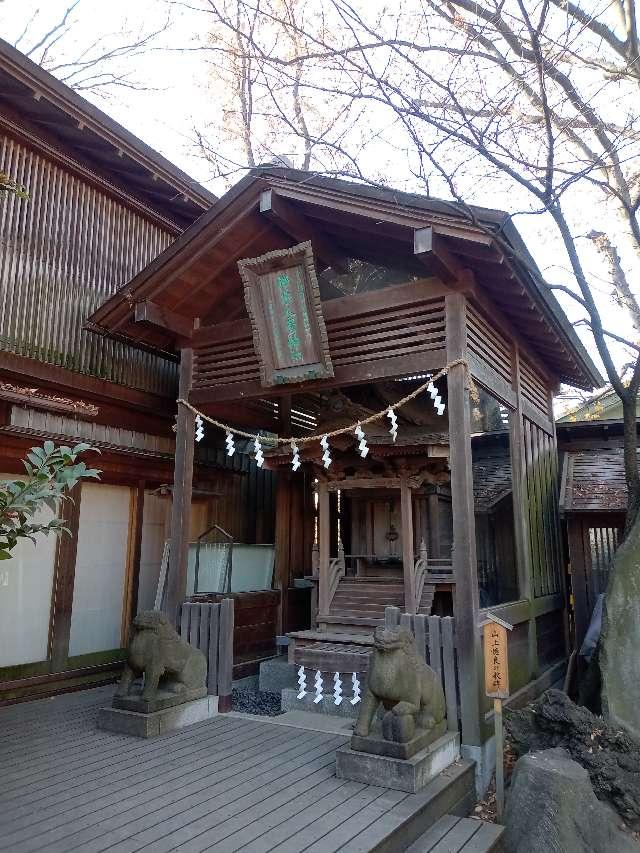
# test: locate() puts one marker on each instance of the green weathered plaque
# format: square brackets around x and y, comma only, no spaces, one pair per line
[283,301]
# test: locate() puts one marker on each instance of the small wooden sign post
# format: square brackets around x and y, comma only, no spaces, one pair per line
[496,682]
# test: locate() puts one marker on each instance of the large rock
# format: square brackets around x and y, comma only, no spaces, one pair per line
[551,807]
[620,640]
[609,755]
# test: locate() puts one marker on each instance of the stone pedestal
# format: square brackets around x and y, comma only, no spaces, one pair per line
[168,719]
[401,774]
[135,701]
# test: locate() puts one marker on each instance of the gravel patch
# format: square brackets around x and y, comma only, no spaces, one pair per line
[255,702]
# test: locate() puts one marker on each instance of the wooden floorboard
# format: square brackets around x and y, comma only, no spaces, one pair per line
[224,785]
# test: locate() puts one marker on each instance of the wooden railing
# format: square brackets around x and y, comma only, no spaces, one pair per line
[337,568]
[209,627]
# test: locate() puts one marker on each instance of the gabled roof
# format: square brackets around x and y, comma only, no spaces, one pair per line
[196,276]
[45,112]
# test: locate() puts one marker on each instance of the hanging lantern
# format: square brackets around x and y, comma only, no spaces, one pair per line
[199,428]
[362,441]
[394,424]
[231,448]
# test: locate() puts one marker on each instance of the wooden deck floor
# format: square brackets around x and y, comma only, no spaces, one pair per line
[227,784]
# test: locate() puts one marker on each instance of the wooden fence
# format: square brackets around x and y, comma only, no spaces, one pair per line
[435,639]
[209,627]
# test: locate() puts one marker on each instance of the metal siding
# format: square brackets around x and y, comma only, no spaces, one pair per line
[62,253]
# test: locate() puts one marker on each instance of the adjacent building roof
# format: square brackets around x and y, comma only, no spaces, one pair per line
[592,457]
[197,276]
[37,107]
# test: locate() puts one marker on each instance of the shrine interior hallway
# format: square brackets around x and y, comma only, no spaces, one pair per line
[227,784]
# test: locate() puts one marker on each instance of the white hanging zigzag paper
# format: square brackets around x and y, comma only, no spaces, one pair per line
[362,444]
[295,461]
[437,399]
[337,689]
[231,447]
[326,456]
[302,683]
[199,428]
[318,686]
[394,424]
[259,454]
[355,684]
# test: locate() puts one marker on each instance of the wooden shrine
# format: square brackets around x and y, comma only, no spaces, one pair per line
[304,307]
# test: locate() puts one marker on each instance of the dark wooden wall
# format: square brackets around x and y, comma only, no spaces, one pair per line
[65,249]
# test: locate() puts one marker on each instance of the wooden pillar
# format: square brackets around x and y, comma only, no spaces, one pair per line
[182,490]
[466,602]
[63,581]
[433,503]
[283,544]
[324,545]
[408,560]
[134,551]
[521,509]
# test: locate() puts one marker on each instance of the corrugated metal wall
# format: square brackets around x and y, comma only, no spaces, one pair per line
[63,251]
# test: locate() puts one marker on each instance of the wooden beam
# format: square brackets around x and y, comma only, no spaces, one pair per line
[324,542]
[408,572]
[153,314]
[284,215]
[431,249]
[182,490]
[466,604]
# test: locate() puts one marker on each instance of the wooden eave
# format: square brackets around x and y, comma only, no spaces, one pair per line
[52,115]
[196,277]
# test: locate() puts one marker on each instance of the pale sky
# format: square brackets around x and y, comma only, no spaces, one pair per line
[177,99]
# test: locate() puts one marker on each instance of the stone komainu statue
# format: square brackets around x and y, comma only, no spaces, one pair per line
[158,652]
[408,689]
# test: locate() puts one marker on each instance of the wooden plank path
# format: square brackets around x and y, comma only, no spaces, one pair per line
[226,784]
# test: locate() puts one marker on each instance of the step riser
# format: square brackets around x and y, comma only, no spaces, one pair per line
[457,798]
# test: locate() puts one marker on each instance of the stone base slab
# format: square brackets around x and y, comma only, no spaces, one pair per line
[151,725]
[409,775]
[378,745]
[163,699]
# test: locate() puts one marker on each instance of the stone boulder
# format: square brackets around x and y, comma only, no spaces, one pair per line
[551,807]
[620,640]
[610,756]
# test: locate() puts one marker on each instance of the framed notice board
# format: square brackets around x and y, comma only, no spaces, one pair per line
[283,301]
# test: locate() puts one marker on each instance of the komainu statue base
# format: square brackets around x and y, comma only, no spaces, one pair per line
[163,698]
[156,723]
[401,774]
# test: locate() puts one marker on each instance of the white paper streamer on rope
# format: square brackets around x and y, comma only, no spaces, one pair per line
[326,456]
[355,684]
[199,428]
[362,443]
[337,689]
[258,451]
[295,461]
[302,683]
[394,424]
[438,405]
[231,447]
[318,686]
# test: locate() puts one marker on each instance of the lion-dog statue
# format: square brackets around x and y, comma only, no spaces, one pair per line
[408,690]
[158,652]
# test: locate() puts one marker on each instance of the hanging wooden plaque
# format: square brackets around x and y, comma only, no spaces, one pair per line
[283,301]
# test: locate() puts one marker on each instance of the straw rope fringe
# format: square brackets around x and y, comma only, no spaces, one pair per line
[308,439]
